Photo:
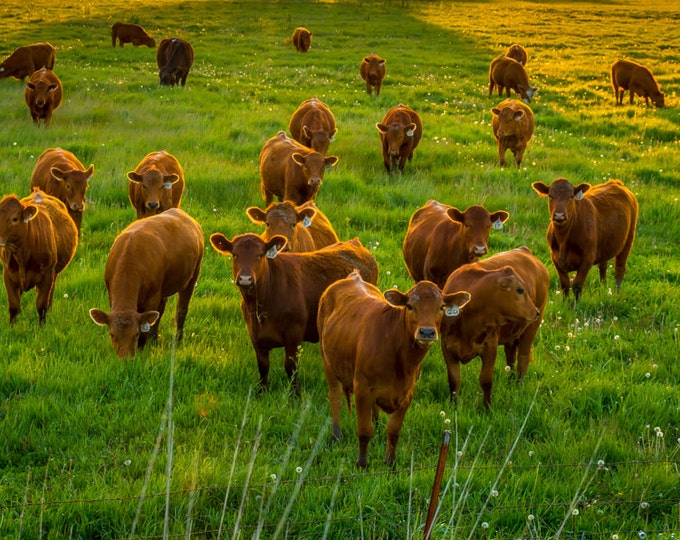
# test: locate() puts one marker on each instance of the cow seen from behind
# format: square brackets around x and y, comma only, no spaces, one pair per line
[313,125]
[174,59]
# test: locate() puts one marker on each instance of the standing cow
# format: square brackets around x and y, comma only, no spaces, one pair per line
[156,184]
[174,59]
[400,132]
[43,95]
[517,52]
[507,73]
[372,71]
[636,78]
[313,125]
[25,60]
[302,39]
[130,33]
[513,126]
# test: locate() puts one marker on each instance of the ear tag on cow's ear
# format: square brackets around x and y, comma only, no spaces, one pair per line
[498,224]
[410,133]
[167,185]
[306,222]
[146,327]
[579,195]
[452,311]
[272,252]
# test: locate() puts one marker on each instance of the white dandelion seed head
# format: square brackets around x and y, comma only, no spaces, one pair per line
[298,470]
[442,414]
[508,368]
[567,348]
[65,296]
[615,536]
[127,462]
[530,517]
[642,535]
[447,421]
[531,453]
[648,375]
[460,453]
[485,525]
[659,434]
[615,318]
[273,477]
[654,366]
[657,429]
[644,505]
[616,337]
[494,493]
[575,512]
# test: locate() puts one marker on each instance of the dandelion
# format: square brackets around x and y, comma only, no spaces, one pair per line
[557,347]
[654,366]
[657,429]
[570,335]
[659,434]
[508,368]
[648,375]
[530,517]
[644,505]
[531,453]
[616,337]
[447,421]
[460,452]
[615,318]
[273,477]
[65,296]
[127,462]
[442,414]
[298,470]
[494,493]
[574,512]
[567,348]
[642,535]
[615,536]
[485,525]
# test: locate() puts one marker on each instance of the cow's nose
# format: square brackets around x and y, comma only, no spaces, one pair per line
[427,334]
[559,216]
[244,280]
[152,205]
[315,181]
[479,250]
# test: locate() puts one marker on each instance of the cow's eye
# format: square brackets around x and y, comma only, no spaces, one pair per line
[520,290]
[409,307]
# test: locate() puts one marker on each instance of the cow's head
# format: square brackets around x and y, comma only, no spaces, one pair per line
[319,139]
[282,219]
[658,98]
[125,328]
[476,223]
[527,92]
[396,135]
[510,295]
[313,166]
[73,184]
[374,63]
[509,124]
[561,199]
[156,189]
[43,91]
[14,215]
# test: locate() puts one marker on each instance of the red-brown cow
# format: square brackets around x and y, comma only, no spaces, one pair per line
[636,78]
[59,173]
[373,346]
[372,71]
[507,73]
[589,225]
[130,33]
[156,184]
[302,39]
[25,60]
[174,59]
[43,95]
[400,133]
[513,126]
[291,171]
[313,125]
[151,260]
[517,52]
[37,241]
[508,294]
[440,238]
[305,227]
[281,291]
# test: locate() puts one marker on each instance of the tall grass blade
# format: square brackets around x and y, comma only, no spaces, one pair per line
[246,484]
[336,488]
[171,440]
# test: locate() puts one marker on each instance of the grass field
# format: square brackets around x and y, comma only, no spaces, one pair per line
[587,446]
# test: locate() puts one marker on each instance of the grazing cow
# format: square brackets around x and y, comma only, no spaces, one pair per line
[25,60]
[508,294]
[174,59]
[313,125]
[305,227]
[517,52]
[400,133]
[130,33]
[638,79]
[507,73]
[156,184]
[37,241]
[302,39]
[291,171]
[151,260]
[373,346]
[513,126]
[440,238]
[43,95]
[372,71]
[280,291]
[59,173]
[589,225]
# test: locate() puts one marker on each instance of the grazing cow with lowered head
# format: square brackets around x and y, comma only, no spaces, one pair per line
[372,71]
[43,95]
[440,238]
[24,61]
[373,346]
[291,171]
[507,73]
[313,125]
[151,260]
[517,52]
[302,39]
[174,58]
[59,173]
[513,126]
[156,184]
[130,33]
[636,78]
[37,241]
[508,294]
[589,225]
[280,291]
[400,133]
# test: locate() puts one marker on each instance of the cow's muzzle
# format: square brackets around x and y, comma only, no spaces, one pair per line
[245,280]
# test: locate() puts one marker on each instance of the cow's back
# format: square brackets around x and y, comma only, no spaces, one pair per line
[315,115]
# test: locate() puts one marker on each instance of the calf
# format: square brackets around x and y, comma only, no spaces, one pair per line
[280,291]
[313,125]
[638,80]
[151,260]
[301,39]
[372,71]
[440,238]
[37,241]
[25,60]
[400,132]
[513,126]
[156,184]
[589,225]
[130,33]
[508,294]
[507,73]
[517,52]
[43,95]
[373,346]
[174,59]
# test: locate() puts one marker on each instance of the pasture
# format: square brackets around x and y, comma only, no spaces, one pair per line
[179,444]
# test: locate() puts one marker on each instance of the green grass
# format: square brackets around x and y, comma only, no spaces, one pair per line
[78,427]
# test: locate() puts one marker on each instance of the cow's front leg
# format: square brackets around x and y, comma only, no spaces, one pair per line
[364,405]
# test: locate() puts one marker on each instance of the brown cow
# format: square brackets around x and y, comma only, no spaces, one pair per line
[440,238]
[291,171]
[589,225]
[513,126]
[638,79]
[372,71]
[25,60]
[508,294]
[43,95]
[280,291]
[400,133]
[151,260]
[305,227]
[37,241]
[302,39]
[517,52]
[59,173]
[130,33]
[156,184]
[373,346]
[507,73]
[174,59]
[313,125]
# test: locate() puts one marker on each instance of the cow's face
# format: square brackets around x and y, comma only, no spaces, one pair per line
[13,219]
[43,92]
[319,139]
[167,76]
[282,219]
[509,122]
[561,199]
[659,100]
[476,223]
[512,297]
[73,184]
[313,166]
[156,189]
[125,328]
[375,65]
[395,136]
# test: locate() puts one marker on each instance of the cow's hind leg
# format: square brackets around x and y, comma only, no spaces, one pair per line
[603,271]
[622,257]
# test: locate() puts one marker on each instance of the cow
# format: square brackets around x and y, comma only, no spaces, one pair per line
[305,227]
[517,52]
[400,132]
[372,71]
[280,292]
[174,59]
[513,126]
[302,39]
[291,171]
[43,94]
[589,225]
[507,73]
[313,125]
[440,238]
[508,294]
[26,60]
[373,346]
[636,78]
[130,33]
[37,241]
[59,173]
[156,184]
[151,260]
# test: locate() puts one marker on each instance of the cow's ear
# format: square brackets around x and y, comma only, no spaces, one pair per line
[306,215]
[134,177]
[89,172]
[52,87]
[99,317]
[256,215]
[496,111]
[169,180]
[411,129]
[540,188]
[382,62]
[275,245]
[58,174]
[298,158]
[30,86]
[580,190]
[366,60]
[147,320]
[330,161]
[498,218]
[507,277]
[456,215]
[454,302]
[382,128]
[221,243]
[30,211]
[396,297]
[305,132]
[518,115]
